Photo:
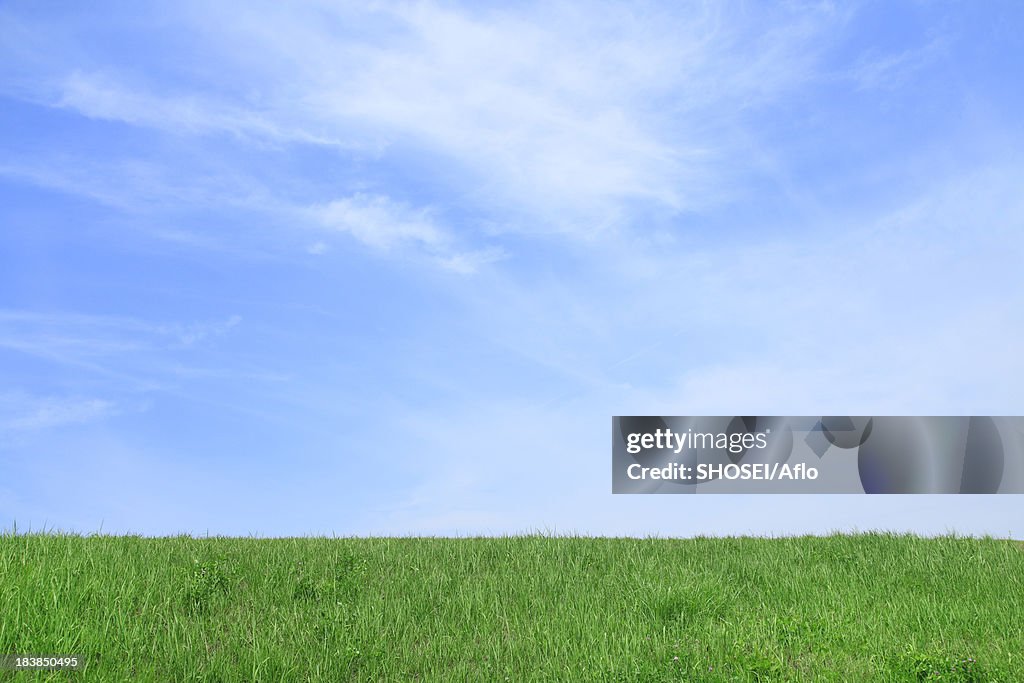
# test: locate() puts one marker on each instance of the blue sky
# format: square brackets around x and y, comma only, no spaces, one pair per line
[390,268]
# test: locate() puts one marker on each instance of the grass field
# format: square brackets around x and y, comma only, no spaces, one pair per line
[871,607]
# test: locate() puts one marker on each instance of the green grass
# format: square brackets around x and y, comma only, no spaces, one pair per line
[871,607]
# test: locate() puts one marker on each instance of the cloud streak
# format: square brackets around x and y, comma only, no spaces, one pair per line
[24,413]
[565,121]
[385,225]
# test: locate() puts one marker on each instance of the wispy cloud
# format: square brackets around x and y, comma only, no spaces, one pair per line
[20,412]
[891,70]
[100,96]
[125,353]
[99,335]
[381,223]
[190,335]
[559,119]
[130,362]
[885,308]
[386,225]
[140,185]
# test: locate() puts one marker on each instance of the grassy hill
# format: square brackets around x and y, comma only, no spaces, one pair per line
[871,607]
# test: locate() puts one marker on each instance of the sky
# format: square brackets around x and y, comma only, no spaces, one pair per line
[330,268]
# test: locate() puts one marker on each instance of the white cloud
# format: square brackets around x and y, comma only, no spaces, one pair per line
[908,309]
[560,117]
[386,225]
[381,223]
[101,96]
[24,413]
[190,335]
[889,71]
[469,262]
[88,335]
[140,186]
[127,355]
